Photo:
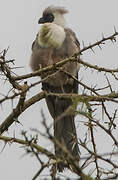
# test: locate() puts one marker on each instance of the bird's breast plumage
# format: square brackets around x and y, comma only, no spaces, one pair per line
[51,36]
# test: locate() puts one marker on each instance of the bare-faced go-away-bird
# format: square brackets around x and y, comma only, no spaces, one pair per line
[53,43]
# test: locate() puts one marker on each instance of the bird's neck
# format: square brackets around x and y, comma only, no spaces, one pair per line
[51,35]
[59,19]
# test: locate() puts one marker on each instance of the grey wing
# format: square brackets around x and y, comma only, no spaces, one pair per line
[78,46]
[75,48]
[73,35]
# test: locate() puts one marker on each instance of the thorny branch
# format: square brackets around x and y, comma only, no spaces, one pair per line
[74,58]
[93,100]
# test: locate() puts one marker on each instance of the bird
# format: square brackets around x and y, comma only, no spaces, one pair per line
[55,42]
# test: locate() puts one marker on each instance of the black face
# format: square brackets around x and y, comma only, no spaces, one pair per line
[46,18]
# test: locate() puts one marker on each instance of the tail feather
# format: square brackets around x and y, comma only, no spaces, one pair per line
[64,127]
[65,133]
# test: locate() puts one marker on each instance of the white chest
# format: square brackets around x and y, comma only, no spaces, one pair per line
[51,36]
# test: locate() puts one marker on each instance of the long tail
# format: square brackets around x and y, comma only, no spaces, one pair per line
[64,127]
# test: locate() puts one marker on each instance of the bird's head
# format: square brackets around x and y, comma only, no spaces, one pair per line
[52,33]
[53,15]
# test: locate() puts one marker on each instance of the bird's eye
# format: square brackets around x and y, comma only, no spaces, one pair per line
[49,18]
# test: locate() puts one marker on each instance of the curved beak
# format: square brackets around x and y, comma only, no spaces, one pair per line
[41,21]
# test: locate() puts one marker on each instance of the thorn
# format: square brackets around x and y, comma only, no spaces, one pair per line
[83,43]
[115,29]
[99,46]
[113,39]
[5,143]
[91,48]
[1,106]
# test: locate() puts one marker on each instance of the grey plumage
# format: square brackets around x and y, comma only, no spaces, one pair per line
[44,54]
